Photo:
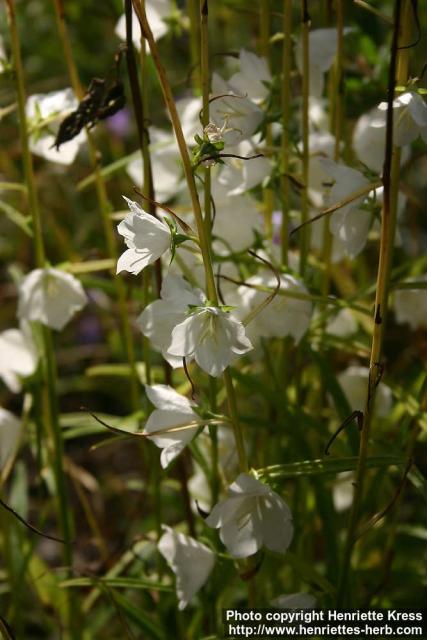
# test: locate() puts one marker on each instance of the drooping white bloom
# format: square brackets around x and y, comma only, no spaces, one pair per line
[241,116]
[342,325]
[343,490]
[189,114]
[146,237]
[160,317]
[252,516]
[44,113]
[172,410]
[354,381]
[50,296]
[369,139]
[284,315]
[165,165]
[156,11]
[410,305]
[322,45]
[238,175]
[18,356]
[191,562]
[10,433]
[236,219]
[410,118]
[322,145]
[294,601]
[253,77]
[212,337]
[349,224]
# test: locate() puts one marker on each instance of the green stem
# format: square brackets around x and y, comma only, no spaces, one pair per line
[194,44]
[286,117]
[305,235]
[264,32]
[397,75]
[49,391]
[200,223]
[234,416]
[104,208]
[205,86]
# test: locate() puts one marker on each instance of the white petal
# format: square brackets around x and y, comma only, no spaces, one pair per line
[171,443]
[242,534]
[165,397]
[50,296]
[185,336]
[18,357]
[191,561]
[276,518]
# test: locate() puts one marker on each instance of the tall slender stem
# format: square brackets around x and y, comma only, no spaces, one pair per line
[286,116]
[388,226]
[203,237]
[104,208]
[205,86]
[336,100]
[264,32]
[305,235]
[48,391]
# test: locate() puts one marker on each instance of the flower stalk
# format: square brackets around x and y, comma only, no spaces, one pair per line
[397,76]
[205,86]
[286,116]
[104,208]
[305,236]
[48,390]
[197,211]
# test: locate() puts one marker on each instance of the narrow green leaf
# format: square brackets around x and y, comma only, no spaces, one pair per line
[120,582]
[324,466]
[21,221]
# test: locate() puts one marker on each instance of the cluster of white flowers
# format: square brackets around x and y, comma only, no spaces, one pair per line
[257,303]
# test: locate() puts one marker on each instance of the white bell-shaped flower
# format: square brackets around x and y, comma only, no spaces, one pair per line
[410,118]
[410,305]
[252,516]
[322,45]
[236,219]
[369,139]
[241,116]
[343,324]
[172,410]
[10,433]
[212,337]
[238,176]
[50,296]
[191,562]
[343,491]
[321,145]
[354,383]
[284,315]
[253,77]
[44,113]
[165,165]
[18,356]
[349,224]
[146,237]
[160,317]
[156,11]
